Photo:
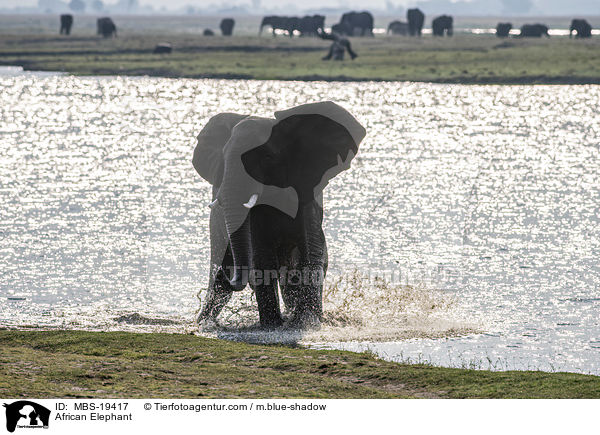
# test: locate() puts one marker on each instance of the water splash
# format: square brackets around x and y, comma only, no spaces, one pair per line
[356,308]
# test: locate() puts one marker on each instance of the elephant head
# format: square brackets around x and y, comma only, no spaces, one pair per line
[283,162]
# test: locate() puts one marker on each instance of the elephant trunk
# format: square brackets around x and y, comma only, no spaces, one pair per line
[233,196]
[240,249]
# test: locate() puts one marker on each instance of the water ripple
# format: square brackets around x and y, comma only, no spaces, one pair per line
[487,192]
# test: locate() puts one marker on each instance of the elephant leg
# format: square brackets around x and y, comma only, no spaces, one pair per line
[302,283]
[289,291]
[265,267]
[304,286]
[268,305]
[266,292]
[219,290]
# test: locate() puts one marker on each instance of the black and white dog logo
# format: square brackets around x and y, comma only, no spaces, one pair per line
[26,414]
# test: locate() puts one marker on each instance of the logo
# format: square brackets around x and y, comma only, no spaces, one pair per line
[26,414]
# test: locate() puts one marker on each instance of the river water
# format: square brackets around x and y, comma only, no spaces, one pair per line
[469,210]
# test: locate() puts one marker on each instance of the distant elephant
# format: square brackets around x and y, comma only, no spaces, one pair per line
[397,28]
[106,27]
[310,25]
[533,31]
[338,48]
[268,177]
[356,24]
[163,48]
[208,32]
[292,24]
[66,22]
[442,25]
[226,26]
[276,22]
[503,30]
[416,19]
[272,21]
[582,27]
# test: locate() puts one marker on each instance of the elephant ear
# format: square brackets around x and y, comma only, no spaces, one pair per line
[208,154]
[322,140]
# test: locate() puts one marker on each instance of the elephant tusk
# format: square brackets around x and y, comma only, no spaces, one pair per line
[252,201]
[214,203]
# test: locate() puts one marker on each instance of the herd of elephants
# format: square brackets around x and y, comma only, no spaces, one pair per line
[352,24]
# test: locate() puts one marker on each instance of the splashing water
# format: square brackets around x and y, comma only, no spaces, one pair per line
[355,308]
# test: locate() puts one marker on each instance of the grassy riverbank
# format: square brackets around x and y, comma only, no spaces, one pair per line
[118,364]
[461,59]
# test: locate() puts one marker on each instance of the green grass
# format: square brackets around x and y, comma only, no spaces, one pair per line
[461,59]
[128,365]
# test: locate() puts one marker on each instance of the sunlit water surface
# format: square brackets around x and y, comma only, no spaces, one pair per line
[485,199]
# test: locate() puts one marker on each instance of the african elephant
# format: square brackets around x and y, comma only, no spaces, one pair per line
[287,24]
[398,28]
[106,27]
[292,23]
[273,21]
[227,26]
[310,25]
[503,30]
[66,22]
[416,19]
[533,31]
[356,24]
[582,27]
[442,25]
[268,177]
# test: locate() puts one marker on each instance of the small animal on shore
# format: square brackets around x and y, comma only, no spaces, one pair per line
[106,27]
[416,19]
[268,176]
[503,30]
[163,48]
[226,26]
[533,31]
[338,48]
[442,25]
[66,22]
[355,24]
[581,27]
[208,32]
[398,28]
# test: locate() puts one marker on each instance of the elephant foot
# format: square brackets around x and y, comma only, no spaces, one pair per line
[207,324]
[305,321]
[271,324]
